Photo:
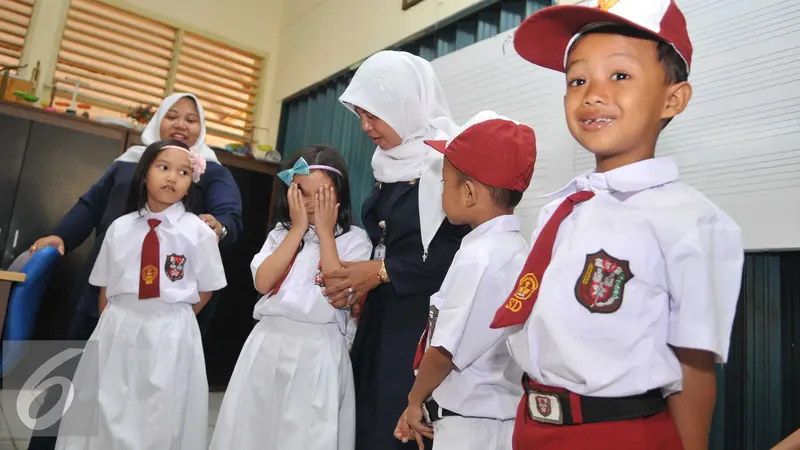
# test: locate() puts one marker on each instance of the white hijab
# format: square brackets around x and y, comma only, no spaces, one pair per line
[402,90]
[152,133]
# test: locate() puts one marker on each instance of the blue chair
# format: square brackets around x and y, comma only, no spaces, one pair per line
[24,302]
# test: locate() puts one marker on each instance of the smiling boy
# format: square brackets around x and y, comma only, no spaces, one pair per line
[634,275]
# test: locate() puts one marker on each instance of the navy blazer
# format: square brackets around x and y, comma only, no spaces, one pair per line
[105,201]
[395,314]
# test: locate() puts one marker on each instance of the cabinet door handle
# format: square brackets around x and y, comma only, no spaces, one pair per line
[16,236]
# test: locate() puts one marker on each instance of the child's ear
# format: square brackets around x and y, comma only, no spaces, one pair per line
[678,96]
[470,193]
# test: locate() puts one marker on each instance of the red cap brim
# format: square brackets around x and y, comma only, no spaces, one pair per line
[543,37]
[439,146]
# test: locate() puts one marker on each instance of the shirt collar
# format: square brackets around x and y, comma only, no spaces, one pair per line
[500,224]
[171,214]
[635,177]
[311,233]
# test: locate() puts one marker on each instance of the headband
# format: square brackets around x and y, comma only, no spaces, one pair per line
[196,160]
[301,167]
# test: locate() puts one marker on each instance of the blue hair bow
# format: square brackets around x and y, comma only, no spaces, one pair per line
[300,168]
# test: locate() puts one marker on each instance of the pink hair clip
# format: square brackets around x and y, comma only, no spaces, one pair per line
[196,160]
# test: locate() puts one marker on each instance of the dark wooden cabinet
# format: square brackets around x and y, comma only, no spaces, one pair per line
[48,162]
[14,133]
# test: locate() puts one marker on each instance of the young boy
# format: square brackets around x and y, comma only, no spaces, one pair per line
[467,384]
[637,288]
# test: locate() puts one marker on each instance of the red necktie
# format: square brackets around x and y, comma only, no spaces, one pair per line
[519,304]
[149,279]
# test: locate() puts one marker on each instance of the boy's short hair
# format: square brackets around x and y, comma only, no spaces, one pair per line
[675,70]
[501,197]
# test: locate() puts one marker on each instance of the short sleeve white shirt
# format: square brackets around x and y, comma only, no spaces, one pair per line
[187,247]
[646,264]
[300,295]
[485,381]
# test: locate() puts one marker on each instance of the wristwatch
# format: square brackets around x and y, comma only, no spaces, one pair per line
[383,276]
[224,232]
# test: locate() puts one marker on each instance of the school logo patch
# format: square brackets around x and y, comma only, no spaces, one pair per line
[543,405]
[173,266]
[601,286]
[525,288]
[149,274]
[605,5]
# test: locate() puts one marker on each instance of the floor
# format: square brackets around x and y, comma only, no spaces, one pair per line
[15,436]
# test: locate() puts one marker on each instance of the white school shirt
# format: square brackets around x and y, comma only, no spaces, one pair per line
[647,263]
[300,295]
[485,381]
[182,236]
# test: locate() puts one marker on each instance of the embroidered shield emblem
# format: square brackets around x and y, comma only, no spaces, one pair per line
[173,266]
[543,405]
[601,286]
[319,280]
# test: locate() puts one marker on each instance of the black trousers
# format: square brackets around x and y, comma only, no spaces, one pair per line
[81,329]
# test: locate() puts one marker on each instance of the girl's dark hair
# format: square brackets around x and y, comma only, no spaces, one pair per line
[323,155]
[137,194]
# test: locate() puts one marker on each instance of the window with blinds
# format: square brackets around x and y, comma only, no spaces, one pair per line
[120,61]
[15,15]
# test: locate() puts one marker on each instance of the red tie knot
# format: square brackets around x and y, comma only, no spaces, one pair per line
[581,196]
[153,223]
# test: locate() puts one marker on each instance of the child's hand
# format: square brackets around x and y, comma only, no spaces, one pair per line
[297,210]
[326,210]
[417,422]
[403,432]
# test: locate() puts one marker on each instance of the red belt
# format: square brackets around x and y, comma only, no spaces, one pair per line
[558,406]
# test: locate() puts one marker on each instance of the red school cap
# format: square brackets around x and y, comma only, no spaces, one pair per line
[493,150]
[546,37]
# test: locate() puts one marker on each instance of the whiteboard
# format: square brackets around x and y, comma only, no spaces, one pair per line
[738,141]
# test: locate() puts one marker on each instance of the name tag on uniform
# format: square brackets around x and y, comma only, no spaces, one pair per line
[545,408]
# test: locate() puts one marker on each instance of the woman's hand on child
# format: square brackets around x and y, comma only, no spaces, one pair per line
[297,209]
[212,223]
[326,210]
[358,278]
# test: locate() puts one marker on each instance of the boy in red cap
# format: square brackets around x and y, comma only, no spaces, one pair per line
[635,292]
[467,385]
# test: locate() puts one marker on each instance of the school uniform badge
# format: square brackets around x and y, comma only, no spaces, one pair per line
[543,405]
[174,265]
[601,286]
[319,280]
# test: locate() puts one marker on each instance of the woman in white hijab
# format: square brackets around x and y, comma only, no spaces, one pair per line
[400,103]
[179,117]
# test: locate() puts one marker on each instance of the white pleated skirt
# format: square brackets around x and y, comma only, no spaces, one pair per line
[292,388]
[153,391]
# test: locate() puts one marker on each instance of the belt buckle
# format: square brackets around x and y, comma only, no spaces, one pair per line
[545,408]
